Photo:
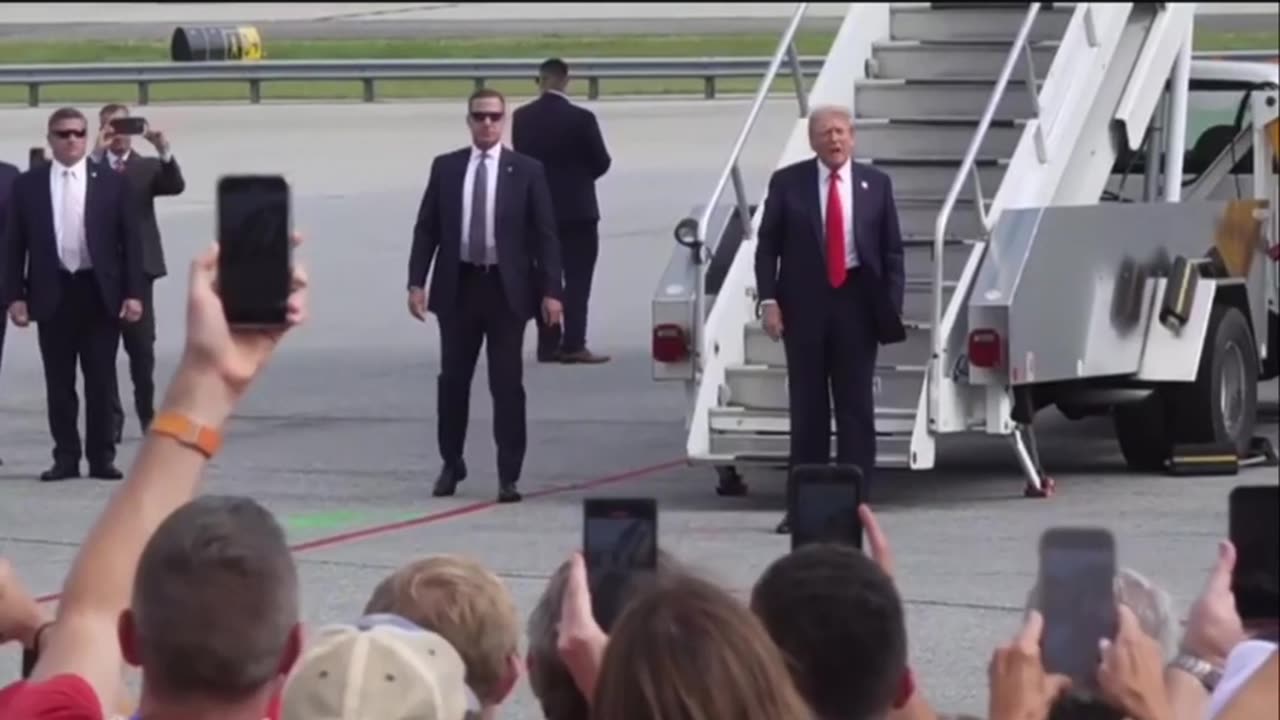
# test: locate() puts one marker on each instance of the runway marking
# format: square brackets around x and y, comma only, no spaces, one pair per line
[470,509]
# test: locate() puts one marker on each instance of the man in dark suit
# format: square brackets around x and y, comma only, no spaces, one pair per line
[567,140]
[7,175]
[830,279]
[149,178]
[487,225]
[73,266]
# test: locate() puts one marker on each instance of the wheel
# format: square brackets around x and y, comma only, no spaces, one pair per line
[1221,406]
[1143,433]
[729,483]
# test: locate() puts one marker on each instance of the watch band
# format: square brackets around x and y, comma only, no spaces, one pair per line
[205,440]
[1202,670]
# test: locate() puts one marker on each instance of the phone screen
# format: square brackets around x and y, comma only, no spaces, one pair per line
[254,256]
[1254,518]
[620,546]
[129,125]
[826,512]
[1077,599]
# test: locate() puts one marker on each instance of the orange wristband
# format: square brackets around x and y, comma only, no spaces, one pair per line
[204,440]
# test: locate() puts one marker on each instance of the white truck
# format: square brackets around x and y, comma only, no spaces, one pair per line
[1050,258]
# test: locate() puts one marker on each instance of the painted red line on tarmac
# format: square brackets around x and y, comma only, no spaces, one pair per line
[473,508]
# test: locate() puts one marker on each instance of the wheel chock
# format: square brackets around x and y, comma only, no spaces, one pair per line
[1204,459]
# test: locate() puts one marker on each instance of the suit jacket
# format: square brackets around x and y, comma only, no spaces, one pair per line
[150,178]
[566,139]
[791,266]
[32,264]
[7,174]
[524,231]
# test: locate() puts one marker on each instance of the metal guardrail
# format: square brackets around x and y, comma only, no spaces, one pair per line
[368,72]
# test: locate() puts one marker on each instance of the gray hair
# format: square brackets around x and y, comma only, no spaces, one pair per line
[822,111]
[1149,602]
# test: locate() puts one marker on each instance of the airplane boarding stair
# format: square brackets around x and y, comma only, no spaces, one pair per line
[943,95]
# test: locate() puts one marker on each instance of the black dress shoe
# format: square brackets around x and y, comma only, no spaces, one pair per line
[507,493]
[105,472]
[449,478]
[784,527]
[60,471]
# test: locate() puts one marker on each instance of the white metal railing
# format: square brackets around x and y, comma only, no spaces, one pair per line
[969,165]
[732,172]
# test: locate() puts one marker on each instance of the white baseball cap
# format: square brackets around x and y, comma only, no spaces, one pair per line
[382,668]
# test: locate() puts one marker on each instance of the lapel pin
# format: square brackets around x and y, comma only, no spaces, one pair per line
[508,169]
[864,184]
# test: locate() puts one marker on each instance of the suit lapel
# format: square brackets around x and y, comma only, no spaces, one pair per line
[506,171]
[813,183]
[46,206]
[91,181]
[861,194]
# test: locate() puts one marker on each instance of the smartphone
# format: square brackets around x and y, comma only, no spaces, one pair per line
[1077,599]
[1254,528]
[255,258]
[129,125]
[822,503]
[620,545]
[36,157]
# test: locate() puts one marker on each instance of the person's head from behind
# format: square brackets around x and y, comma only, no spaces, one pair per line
[467,605]
[214,618]
[685,648]
[553,74]
[839,621]
[548,677]
[68,135]
[486,117]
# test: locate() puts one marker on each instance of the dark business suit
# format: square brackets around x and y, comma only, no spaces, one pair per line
[567,140]
[831,334]
[489,302]
[149,178]
[77,314]
[7,175]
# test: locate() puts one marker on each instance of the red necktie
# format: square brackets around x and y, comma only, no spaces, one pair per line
[835,234]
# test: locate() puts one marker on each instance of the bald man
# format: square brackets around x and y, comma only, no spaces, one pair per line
[831,290]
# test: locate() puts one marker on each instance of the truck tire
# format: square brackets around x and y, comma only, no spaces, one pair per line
[1221,406]
[1143,432]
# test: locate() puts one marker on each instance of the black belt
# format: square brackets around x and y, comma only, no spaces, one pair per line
[476,268]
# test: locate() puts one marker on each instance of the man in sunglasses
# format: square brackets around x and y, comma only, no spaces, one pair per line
[73,266]
[487,224]
[7,174]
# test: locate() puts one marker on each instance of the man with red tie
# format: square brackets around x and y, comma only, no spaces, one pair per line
[829,276]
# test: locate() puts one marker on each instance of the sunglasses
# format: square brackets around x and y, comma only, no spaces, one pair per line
[65,134]
[492,117]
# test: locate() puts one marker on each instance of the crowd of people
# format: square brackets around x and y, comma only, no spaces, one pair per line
[201,593]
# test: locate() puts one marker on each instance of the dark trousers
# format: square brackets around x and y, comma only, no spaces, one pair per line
[482,315]
[139,340]
[831,355]
[579,249]
[82,330]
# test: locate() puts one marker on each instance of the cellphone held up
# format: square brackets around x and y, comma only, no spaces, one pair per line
[255,252]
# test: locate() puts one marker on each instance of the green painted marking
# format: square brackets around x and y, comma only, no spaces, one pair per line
[335,520]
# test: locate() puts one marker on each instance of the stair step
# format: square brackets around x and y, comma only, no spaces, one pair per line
[914,140]
[918,216]
[921,22]
[733,419]
[892,452]
[939,99]
[933,178]
[918,260]
[955,60]
[765,388]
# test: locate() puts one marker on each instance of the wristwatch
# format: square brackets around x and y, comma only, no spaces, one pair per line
[204,440]
[1202,670]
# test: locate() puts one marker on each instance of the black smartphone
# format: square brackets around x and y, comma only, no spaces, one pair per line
[129,125]
[1254,528]
[1077,600]
[36,157]
[822,502]
[255,258]
[620,546]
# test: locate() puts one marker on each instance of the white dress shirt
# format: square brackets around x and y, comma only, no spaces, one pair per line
[491,194]
[845,184]
[67,190]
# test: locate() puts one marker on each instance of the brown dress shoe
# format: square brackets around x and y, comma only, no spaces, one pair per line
[583,357]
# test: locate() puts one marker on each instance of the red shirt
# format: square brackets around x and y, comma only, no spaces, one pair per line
[65,697]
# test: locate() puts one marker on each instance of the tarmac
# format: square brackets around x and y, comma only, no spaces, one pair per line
[338,437]
[314,21]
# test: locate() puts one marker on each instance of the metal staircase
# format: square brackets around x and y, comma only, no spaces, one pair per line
[969,108]
[926,88]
